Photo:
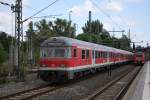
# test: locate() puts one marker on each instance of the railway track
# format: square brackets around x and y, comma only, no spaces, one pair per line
[115,89]
[40,91]
[30,93]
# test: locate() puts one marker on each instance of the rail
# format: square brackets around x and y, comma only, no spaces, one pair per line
[30,93]
[112,84]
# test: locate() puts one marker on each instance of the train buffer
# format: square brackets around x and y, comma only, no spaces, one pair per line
[140,88]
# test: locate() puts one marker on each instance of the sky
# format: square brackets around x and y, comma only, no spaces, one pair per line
[114,14]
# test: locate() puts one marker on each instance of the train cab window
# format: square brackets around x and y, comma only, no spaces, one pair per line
[139,54]
[56,52]
[75,52]
[83,54]
[59,53]
[87,54]
[46,52]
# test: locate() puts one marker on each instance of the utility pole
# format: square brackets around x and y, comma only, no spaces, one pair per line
[70,15]
[90,25]
[76,27]
[70,22]
[17,9]
[19,37]
[129,34]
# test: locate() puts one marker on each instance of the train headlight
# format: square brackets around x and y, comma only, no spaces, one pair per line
[63,65]
[52,65]
[43,65]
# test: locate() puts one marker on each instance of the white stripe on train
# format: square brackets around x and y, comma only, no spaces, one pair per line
[80,67]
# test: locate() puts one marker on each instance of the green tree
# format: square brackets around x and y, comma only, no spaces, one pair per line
[83,37]
[3,54]
[5,40]
[97,34]
[44,31]
[96,27]
[105,35]
[124,42]
[114,42]
[31,32]
[105,38]
[62,27]
[89,38]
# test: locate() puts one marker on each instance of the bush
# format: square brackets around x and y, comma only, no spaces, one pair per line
[2,54]
[3,57]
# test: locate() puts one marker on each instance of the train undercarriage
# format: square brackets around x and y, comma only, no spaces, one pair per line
[56,76]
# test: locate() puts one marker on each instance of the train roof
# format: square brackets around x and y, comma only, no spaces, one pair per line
[74,42]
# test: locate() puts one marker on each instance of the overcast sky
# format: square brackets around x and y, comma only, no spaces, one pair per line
[114,14]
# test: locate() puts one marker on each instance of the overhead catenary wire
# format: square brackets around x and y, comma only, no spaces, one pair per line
[38,17]
[121,17]
[106,14]
[29,7]
[40,11]
[47,16]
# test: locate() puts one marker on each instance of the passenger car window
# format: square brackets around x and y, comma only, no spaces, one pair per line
[83,54]
[75,52]
[87,54]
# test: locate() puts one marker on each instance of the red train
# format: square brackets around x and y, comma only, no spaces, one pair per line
[67,58]
[139,56]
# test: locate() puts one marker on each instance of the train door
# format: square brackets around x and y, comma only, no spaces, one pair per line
[74,54]
[108,55]
[93,57]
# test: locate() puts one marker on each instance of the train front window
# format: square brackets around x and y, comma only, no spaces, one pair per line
[59,53]
[56,52]
[46,52]
[139,54]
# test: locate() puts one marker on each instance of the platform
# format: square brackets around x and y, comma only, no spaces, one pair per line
[140,88]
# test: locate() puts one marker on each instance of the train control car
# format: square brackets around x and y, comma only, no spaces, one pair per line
[67,58]
[139,56]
